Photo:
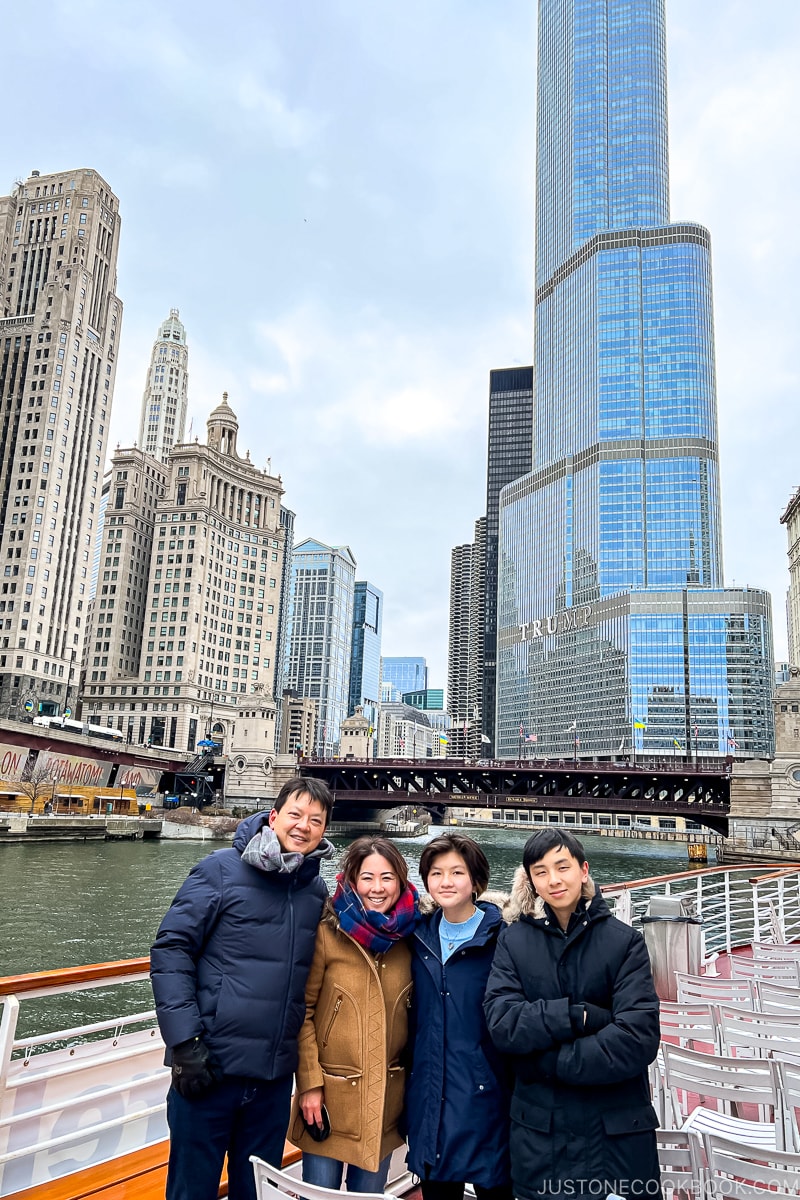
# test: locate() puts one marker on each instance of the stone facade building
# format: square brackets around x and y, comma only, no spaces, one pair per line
[60,321]
[163,418]
[765,793]
[211,607]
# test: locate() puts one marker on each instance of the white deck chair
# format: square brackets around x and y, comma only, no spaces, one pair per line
[691,1025]
[773,950]
[681,1172]
[722,1085]
[711,989]
[777,997]
[740,1172]
[786,971]
[786,1075]
[688,1024]
[272,1184]
[744,1034]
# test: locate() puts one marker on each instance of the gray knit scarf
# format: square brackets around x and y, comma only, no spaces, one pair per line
[264,852]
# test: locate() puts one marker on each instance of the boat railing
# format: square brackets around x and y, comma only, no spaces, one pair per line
[738,905]
[75,1094]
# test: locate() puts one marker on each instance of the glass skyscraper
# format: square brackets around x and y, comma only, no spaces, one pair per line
[614,625]
[365,657]
[319,634]
[407,674]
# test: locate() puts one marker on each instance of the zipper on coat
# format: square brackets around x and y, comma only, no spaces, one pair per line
[290,969]
[334,1015]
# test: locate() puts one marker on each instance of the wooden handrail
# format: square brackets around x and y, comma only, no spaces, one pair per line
[65,976]
[777,874]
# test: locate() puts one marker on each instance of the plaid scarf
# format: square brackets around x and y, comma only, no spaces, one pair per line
[375,931]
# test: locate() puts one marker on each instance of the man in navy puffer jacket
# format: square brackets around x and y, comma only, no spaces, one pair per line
[229,968]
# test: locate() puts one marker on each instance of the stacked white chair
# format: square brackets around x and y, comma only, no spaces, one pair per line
[272,1184]
[773,970]
[722,1085]
[712,989]
[738,1172]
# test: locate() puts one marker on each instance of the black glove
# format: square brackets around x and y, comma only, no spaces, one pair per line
[193,1072]
[588,1018]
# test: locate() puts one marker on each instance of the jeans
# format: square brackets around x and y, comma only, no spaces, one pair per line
[237,1116]
[327,1172]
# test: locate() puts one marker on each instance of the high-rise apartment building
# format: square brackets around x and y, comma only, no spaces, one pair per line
[60,321]
[613,619]
[204,609]
[365,657]
[319,634]
[163,418]
[405,673]
[508,457]
[465,645]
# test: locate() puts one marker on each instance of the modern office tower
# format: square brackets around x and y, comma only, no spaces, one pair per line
[431,699]
[365,657]
[59,327]
[465,645]
[163,419]
[210,607]
[508,457]
[613,620]
[406,673]
[319,634]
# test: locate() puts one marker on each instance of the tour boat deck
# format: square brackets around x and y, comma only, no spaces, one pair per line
[93,1097]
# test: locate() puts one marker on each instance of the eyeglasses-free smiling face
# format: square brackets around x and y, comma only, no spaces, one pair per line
[450,886]
[377,884]
[300,824]
[558,878]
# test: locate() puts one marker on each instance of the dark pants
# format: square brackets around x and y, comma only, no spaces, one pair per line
[433,1189]
[240,1116]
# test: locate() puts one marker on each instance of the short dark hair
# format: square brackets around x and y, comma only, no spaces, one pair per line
[315,789]
[361,848]
[545,840]
[467,848]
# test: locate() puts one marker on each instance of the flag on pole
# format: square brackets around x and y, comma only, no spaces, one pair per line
[637,724]
[675,742]
[521,730]
[574,725]
[733,742]
[442,740]
[621,746]
[532,737]
[486,739]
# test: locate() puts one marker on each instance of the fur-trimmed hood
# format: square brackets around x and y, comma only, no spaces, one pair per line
[525,901]
[501,900]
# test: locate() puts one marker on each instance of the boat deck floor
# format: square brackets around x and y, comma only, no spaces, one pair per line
[141,1175]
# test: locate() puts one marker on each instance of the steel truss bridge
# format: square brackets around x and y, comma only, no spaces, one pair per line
[697,791]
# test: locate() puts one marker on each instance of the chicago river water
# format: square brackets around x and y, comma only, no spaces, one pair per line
[66,904]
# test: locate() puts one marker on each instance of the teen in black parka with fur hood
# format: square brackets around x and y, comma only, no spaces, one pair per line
[571,999]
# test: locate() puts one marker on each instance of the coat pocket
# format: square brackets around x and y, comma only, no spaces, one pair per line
[344,1101]
[395,1097]
[532,1145]
[637,1119]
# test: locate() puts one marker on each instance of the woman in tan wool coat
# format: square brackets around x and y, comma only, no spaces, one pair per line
[356,1024]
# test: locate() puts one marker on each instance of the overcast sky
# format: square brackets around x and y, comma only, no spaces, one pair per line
[338,196]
